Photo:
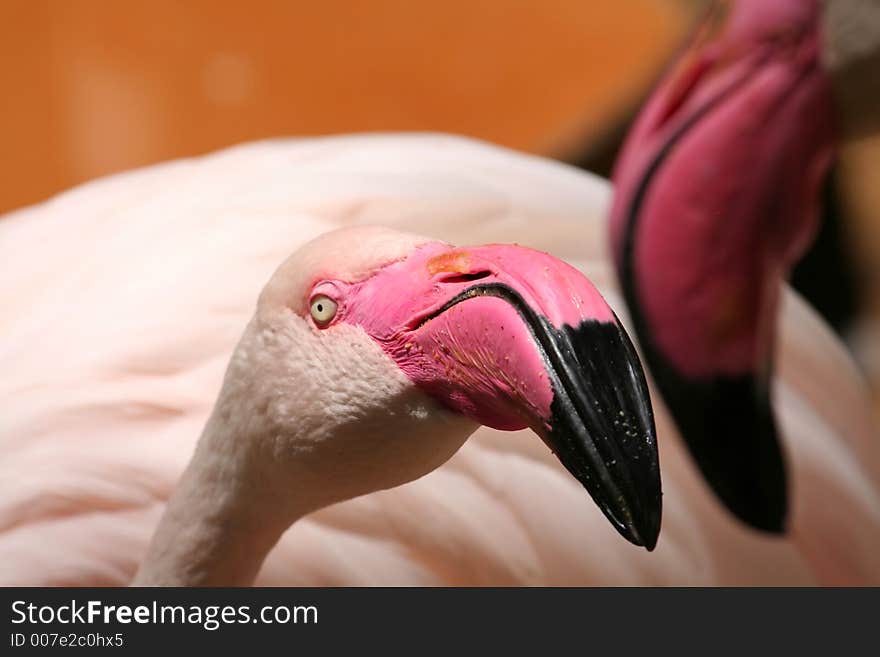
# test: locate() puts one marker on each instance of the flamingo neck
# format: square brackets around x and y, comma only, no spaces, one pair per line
[263,460]
[220,522]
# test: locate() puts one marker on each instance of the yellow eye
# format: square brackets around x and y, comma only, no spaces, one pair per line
[323,309]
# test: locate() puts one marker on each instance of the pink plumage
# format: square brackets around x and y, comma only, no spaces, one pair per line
[125,297]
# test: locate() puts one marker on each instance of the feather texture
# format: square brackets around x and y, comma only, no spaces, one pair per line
[122,302]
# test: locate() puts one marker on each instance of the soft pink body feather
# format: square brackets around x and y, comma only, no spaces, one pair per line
[122,301]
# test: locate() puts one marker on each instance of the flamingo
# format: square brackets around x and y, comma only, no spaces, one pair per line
[717,199]
[125,298]
[328,395]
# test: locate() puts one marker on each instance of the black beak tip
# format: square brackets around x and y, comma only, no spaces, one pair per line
[764,509]
[641,528]
[650,530]
[603,426]
[754,485]
[771,523]
[728,425]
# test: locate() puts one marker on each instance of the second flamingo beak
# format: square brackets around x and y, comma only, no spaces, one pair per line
[716,198]
[515,338]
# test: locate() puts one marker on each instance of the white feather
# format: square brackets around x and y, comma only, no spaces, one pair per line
[122,302]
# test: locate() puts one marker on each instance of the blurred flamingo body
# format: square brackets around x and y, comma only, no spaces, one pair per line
[125,297]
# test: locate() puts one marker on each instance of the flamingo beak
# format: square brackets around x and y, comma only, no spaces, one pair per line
[514,338]
[716,198]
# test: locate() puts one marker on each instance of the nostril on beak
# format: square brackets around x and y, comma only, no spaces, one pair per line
[466,278]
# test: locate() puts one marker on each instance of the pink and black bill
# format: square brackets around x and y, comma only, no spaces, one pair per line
[514,338]
[715,200]
[601,423]
[726,420]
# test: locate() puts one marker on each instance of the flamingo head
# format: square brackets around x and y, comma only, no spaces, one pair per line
[374,354]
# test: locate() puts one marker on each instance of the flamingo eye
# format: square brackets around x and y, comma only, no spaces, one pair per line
[323,310]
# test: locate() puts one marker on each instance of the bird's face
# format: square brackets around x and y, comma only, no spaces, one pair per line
[373,355]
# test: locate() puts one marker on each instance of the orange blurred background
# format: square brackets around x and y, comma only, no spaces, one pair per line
[100,86]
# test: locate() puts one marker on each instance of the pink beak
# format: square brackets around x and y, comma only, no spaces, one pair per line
[716,198]
[515,338]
